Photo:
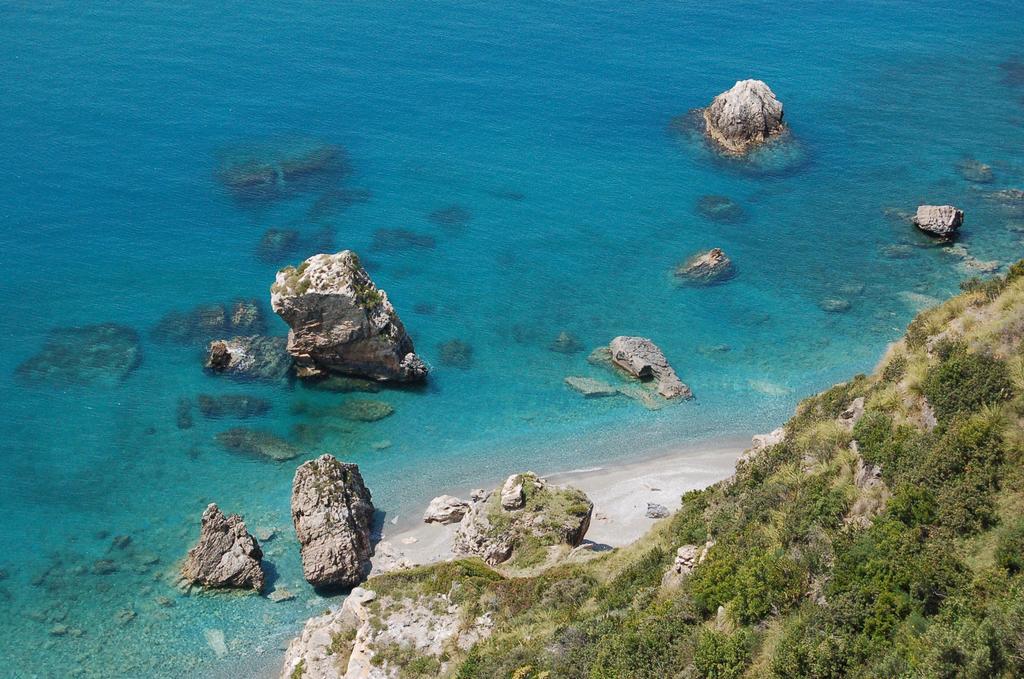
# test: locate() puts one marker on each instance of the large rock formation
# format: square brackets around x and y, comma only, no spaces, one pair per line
[525,509]
[643,359]
[940,220]
[226,554]
[340,322]
[332,512]
[744,116]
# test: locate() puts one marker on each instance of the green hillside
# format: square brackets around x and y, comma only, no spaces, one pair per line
[892,547]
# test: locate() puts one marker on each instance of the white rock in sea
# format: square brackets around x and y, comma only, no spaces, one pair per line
[341,322]
[705,268]
[643,359]
[744,116]
[226,554]
[445,509]
[940,220]
[332,512]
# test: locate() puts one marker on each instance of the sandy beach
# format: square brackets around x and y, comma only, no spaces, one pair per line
[620,494]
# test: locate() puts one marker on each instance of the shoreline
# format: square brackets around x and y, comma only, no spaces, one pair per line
[620,493]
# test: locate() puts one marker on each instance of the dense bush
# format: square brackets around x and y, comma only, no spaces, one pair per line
[962,382]
[722,656]
[1010,548]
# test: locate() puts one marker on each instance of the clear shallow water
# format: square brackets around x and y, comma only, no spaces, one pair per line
[550,126]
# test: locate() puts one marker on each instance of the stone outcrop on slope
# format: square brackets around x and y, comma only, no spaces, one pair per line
[341,322]
[333,512]
[226,554]
[525,509]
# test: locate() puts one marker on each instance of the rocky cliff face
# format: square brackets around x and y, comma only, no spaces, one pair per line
[226,554]
[332,512]
[746,115]
[341,322]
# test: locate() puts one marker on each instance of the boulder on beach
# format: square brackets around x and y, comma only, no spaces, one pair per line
[706,267]
[642,358]
[939,220]
[256,357]
[226,554]
[342,323]
[526,512]
[445,509]
[92,355]
[333,512]
[746,115]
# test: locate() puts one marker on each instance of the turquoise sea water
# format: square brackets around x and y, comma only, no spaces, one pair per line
[550,126]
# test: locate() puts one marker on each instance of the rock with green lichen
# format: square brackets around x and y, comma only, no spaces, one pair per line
[526,510]
[342,323]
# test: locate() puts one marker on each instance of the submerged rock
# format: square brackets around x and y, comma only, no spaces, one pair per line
[232,405]
[704,268]
[340,384]
[744,116]
[566,343]
[591,388]
[835,305]
[643,359]
[90,355]
[256,357]
[257,443]
[939,220]
[183,413]
[445,509]
[539,513]
[365,410]
[398,240]
[720,208]
[277,245]
[226,554]
[975,171]
[334,201]
[341,322]
[452,217]
[210,321]
[332,511]
[271,170]
[455,354]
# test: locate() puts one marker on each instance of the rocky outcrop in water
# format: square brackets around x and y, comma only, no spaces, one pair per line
[239,406]
[256,357]
[445,509]
[94,355]
[939,220]
[643,359]
[341,322]
[257,443]
[333,512]
[745,116]
[525,509]
[705,268]
[226,554]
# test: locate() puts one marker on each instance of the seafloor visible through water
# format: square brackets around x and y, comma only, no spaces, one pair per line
[509,172]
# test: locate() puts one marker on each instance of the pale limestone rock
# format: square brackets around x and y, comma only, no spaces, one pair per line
[226,554]
[849,417]
[940,220]
[445,509]
[341,322]
[744,116]
[643,359]
[332,511]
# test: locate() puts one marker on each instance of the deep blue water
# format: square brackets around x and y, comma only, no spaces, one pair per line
[549,125]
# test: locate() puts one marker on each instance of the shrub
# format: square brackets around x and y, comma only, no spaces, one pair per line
[895,369]
[1010,548]
[962,382]
[722,656]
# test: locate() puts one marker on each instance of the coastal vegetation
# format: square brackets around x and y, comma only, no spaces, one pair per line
[881,537]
